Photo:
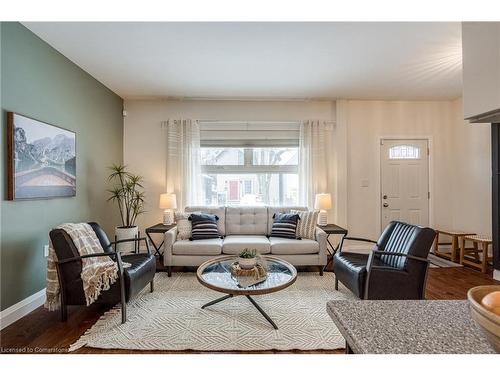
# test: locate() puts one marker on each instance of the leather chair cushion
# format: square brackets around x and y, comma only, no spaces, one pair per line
[212,246]
[350,270]
[139,274]
[102,237]
[293,247]
[236,244]
[401,240]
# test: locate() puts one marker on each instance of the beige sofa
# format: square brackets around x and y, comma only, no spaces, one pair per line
[244,227]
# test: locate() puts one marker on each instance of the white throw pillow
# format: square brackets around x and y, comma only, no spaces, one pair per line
[306,227]
[184,226]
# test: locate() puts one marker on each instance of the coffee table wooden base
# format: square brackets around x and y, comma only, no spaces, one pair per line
[263,313]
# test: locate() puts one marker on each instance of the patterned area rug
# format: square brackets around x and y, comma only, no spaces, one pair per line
[171,318]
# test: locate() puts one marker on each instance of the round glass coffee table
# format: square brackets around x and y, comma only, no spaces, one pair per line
[216,274]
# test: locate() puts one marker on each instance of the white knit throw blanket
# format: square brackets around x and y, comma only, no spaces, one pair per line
[98,273]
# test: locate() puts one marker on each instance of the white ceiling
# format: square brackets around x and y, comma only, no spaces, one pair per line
[265,60]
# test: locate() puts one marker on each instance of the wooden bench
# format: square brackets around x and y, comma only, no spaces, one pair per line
[480,245]
[455,243]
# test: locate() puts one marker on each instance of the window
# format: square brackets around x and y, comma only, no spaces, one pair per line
[404,152]
[250,175]
[222,156]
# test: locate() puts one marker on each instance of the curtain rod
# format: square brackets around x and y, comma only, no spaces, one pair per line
[261,122]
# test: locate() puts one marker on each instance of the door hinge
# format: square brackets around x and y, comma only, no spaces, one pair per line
[428,195]
[428,151]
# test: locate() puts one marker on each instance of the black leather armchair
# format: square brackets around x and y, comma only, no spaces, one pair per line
[130,282]
[396,267]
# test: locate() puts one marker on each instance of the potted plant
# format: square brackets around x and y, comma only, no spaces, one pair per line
[247,259]
[128,193]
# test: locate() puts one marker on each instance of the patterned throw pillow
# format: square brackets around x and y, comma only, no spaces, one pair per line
[183,225]
[306,228]
[204,226]
[284,225]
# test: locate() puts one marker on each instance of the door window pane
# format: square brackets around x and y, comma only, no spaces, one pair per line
[404,152]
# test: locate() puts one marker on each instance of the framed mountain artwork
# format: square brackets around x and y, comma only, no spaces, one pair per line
[41,159]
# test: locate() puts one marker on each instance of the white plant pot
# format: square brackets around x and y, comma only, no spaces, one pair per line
[125,233]
[247,263]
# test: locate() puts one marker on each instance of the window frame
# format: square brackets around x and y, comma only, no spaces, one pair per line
[248,167]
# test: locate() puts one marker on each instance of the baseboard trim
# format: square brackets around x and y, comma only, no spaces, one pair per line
[496,274]
[21,309]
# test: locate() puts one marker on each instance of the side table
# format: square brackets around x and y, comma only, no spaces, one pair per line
[158,228]
[480,243]
[333,229]
[456,237]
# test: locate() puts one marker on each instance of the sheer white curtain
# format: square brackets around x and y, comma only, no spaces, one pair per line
[315,160]
[183,174]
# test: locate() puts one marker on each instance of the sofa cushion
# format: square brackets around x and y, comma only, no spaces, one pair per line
[219,211]
[212,246]
[284,209]
[285,225]
[236,244]
[293,247]
[246,221]
[204,226]
[306,227]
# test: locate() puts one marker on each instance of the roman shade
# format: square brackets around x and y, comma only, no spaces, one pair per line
[249,134]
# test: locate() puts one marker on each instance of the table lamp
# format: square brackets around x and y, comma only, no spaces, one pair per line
[323,202]
[168,202]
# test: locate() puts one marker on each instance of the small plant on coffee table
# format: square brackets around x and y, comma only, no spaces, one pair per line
[248,254]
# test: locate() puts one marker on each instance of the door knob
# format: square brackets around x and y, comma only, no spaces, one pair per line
[386,204]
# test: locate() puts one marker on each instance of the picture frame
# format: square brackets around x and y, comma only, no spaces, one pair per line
[41,159]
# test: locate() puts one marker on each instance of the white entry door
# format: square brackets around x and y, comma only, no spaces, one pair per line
[404,181]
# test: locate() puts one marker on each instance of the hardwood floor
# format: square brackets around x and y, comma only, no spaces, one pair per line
[43,332]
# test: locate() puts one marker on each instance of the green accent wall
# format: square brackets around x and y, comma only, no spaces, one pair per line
[39,82]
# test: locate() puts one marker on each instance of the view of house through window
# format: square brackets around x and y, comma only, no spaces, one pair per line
[250,176]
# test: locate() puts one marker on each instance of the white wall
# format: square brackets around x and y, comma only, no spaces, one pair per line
[460,162]
[471,174]
[144,143]
[460,153]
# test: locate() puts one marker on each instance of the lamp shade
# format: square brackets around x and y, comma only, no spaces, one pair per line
[168,201]
[323,201]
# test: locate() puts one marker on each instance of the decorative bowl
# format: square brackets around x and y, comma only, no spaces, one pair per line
[247,263]
[487,320]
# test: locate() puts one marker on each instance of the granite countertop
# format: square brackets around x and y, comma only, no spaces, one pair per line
[403,327]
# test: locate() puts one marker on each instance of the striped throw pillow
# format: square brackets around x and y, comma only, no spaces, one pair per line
[204,226]
[306,228]
[284,225]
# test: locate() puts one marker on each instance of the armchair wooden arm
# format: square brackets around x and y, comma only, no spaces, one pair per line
[74,259]
[114,243]
[380,252]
